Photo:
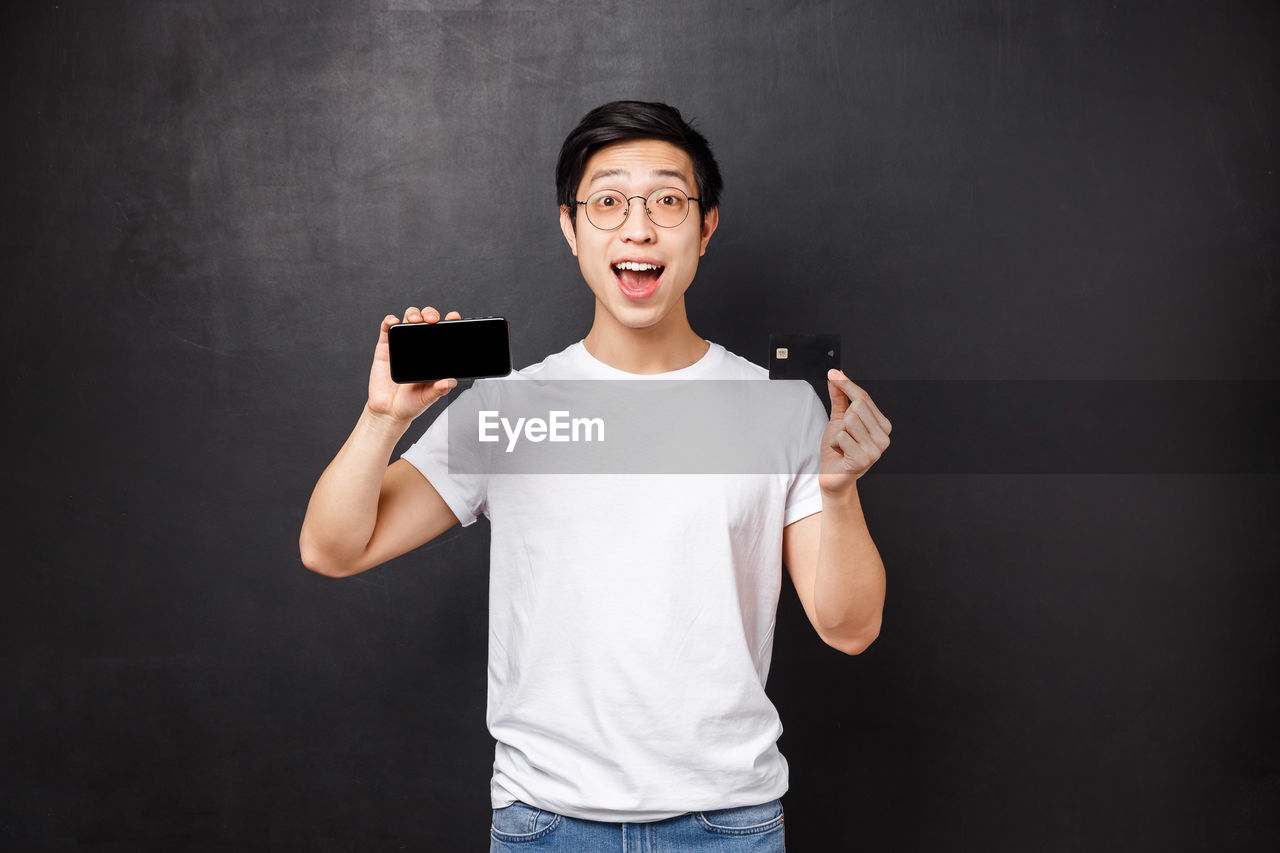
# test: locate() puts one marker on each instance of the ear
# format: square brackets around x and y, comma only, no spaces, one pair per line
[566,226]
[709,225]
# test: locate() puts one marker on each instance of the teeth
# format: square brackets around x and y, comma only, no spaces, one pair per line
[635,267]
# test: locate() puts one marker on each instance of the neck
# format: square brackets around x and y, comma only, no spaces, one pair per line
[670,344]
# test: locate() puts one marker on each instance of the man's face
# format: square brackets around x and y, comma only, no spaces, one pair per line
[639,298]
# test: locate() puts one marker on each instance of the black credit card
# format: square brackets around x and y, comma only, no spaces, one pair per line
[449,349]
[806,357]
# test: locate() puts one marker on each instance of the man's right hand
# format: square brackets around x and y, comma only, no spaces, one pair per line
[403,403]
[363,511]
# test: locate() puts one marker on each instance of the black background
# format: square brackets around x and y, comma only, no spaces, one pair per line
[208,208]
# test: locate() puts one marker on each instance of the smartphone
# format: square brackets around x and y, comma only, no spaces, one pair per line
[449,349]
[806,357]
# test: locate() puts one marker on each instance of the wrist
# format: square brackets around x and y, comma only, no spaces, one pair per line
[843,496]
[384,424]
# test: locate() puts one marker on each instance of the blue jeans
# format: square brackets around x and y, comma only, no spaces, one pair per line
[749,829]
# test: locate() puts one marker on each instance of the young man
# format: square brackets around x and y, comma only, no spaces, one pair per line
[631,618]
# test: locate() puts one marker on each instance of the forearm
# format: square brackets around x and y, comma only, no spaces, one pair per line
[343,511]
[849,587]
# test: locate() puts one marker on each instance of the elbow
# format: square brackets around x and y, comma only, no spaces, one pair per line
[326,568]
[322,564]
[856,643]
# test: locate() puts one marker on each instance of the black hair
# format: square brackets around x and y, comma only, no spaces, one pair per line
[624,121]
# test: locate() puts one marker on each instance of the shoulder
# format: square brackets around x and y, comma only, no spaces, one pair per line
[566,364]
[571,362]
[728,365]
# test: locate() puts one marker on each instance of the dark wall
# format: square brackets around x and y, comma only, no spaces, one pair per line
[208,207]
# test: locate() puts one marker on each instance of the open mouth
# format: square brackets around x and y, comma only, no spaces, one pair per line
[637,279]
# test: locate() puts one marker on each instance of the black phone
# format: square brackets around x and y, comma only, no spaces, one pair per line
[450,349]
[806,357]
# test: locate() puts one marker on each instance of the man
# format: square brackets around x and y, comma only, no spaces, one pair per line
[631,618]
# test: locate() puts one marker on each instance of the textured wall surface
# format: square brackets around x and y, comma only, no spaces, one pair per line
[209,206]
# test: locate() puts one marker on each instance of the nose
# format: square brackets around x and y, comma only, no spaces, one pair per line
[637,227]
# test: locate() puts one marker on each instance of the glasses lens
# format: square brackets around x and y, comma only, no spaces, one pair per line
[667,207]
[606,209]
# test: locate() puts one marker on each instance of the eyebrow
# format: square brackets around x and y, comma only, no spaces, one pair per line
[624,173]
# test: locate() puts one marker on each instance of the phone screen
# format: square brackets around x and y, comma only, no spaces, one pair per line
[457,349]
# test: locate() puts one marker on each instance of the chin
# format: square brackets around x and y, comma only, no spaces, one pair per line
[632,315]
[638,318]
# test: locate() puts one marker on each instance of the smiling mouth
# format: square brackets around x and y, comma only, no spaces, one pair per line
[637,280]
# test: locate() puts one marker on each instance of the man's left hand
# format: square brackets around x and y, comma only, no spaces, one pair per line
[854,438]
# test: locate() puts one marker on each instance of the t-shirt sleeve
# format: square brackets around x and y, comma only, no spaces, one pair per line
[803,496]
[457,470]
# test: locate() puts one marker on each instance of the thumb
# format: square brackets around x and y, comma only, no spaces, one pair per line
[839,400]
[432,391]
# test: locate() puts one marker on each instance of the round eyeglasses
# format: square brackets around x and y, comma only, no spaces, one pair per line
[666,207]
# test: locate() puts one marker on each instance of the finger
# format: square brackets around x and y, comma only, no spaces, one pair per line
[453,315]
[839,399]
[435,390]
[430,314]
[857,457]
[382,349]
[857,393]
[860,421]
[413,315]
[845,384]
[867,433]
[849,428]
[881,420]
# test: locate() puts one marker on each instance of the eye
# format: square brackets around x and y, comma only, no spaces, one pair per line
[607,200]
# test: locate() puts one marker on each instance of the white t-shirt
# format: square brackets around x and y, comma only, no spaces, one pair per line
[631,617]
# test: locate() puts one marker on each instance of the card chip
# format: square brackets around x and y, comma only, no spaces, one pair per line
[781,352]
